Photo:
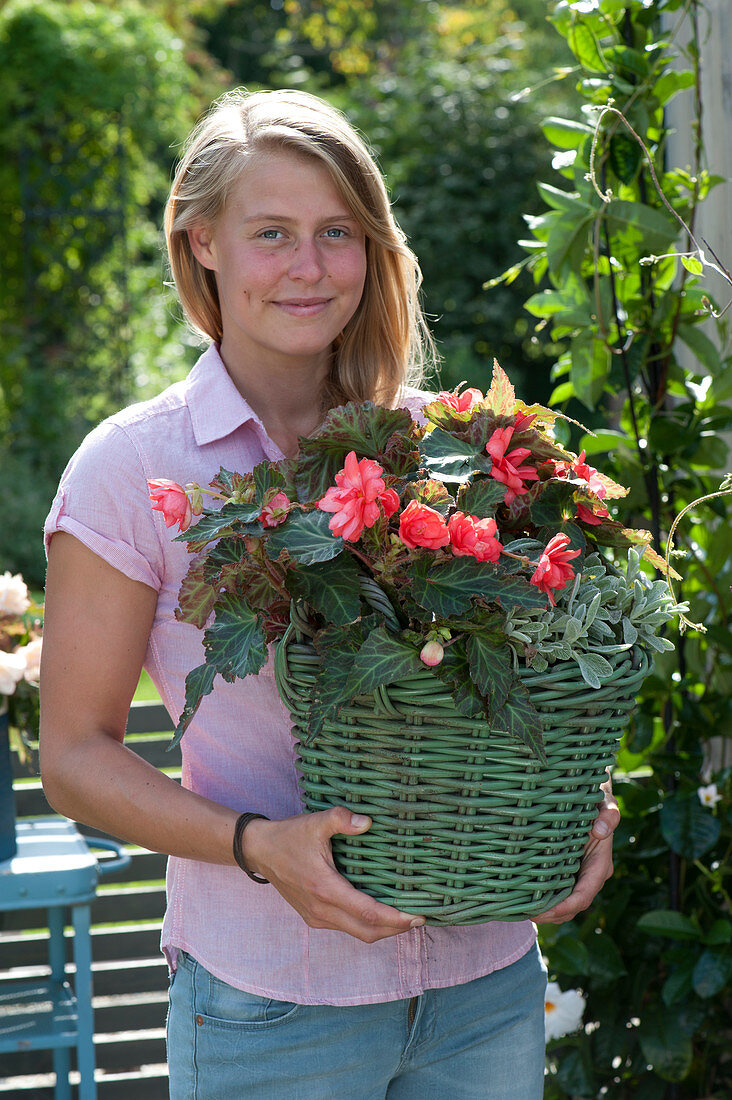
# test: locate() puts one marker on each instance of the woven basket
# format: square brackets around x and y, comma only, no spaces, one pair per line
[467,825]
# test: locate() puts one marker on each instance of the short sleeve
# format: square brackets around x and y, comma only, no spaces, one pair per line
[102,500]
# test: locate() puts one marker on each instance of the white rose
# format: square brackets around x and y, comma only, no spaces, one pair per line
[32,654]
[12,667]
[13,595]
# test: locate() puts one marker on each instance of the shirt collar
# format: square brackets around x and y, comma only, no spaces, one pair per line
[215,404]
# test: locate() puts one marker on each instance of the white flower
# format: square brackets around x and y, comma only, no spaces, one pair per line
[12,667]
[562,1011]
[32,655]
[709,796]
[13,595]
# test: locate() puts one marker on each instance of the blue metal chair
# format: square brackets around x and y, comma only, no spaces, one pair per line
[55,869]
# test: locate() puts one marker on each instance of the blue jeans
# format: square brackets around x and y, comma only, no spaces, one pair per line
[483,1040]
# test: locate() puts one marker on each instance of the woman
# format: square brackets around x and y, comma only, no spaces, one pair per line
[287,257]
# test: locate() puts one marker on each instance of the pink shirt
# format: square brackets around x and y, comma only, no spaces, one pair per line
[238,750]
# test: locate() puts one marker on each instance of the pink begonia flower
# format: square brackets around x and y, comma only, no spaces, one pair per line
[431,654]
[470,536]
[356,496]
[587,515]
[554,570]
[420,525]
[583,471]
[276,511]
[524,421]
[170,498]
[507,468]
[460,402]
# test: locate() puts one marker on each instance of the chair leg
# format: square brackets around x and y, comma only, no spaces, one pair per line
[83,989]
[61,1067]
[57,962]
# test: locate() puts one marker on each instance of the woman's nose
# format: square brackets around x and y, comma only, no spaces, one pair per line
[307,262]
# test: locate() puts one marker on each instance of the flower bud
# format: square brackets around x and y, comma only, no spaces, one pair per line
[431,654]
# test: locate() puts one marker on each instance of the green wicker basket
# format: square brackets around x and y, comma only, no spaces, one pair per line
[467,825]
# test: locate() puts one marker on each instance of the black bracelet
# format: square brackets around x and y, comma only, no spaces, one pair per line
[241,823]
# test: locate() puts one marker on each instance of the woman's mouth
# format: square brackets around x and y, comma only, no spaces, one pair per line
[303,307]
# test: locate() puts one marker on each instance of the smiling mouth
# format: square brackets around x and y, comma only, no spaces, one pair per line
[304,303]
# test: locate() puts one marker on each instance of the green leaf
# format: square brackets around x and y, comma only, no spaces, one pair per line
[565,133]
[454,671]
[307,538]
[447,458]
[337,648]
[382,659]
[490,666]
[712,973]
[720,932]
[665,1043]
[688,828]
[230,483]
[586,48]
[501,397]
[429,492]
[480,498]
[704,349]
[447,588]
[566,243]
[594,667]
[669,923]
[555,505]
[605,963]
[563,200]
[235,643]
[568,955]
[575,1073]
[364,428]
[196,596]
[590,368]
[678,985]
[199,682]
[331,588]
[520,719]
[652,229]
[215,525]
[625,156]
[266,476]
[696,267]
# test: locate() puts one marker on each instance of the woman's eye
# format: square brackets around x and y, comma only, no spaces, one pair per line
[271,234]
[335,233]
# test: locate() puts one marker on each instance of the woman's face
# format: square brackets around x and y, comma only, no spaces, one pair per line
[290,263]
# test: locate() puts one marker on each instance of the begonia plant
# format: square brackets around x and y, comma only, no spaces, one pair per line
[473,544]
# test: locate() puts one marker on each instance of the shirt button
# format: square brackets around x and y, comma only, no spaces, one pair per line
[199,1020]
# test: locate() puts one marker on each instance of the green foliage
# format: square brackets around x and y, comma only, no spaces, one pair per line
[92,96]
[625,301]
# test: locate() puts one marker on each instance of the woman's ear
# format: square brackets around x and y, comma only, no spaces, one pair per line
[200,238]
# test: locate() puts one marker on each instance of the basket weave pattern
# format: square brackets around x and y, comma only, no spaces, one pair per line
[467,825]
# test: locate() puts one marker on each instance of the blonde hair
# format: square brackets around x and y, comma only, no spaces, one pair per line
[386,344]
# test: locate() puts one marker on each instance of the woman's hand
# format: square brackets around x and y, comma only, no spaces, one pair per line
[295,855]
[596,866]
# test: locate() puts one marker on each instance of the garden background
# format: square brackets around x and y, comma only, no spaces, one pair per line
[535,218]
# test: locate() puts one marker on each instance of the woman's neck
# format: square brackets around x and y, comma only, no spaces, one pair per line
[287,399]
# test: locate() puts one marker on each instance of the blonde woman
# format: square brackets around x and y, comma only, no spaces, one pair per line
[286,981]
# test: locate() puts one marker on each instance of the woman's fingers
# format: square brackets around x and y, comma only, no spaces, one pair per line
[295,855]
